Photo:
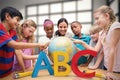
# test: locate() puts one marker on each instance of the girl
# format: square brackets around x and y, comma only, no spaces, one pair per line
[62,28]
[49,30]
[94,33]
[109,40]
[25,34]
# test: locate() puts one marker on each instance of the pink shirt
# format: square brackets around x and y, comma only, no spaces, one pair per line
[106,48]
[27,63]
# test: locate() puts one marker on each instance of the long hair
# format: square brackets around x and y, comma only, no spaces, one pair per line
[20,34]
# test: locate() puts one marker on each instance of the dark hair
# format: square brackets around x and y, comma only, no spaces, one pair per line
[11,11]
[60,21]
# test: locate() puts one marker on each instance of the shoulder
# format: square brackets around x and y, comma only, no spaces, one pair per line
[115,25]
[43,39]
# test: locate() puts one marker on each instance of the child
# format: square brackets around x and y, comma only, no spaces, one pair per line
[10,18]
[62,28]
[76,29]
[109,40]
[49,30]
[94,33]
[25,34]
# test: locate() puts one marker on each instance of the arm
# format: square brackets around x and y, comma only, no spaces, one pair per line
[19,56]
[114,40]
[97,63]
[96,48]
[22,45]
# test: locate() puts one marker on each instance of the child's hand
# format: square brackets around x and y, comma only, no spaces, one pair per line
[92,67]
[111,76]
[44,46]
[77,41]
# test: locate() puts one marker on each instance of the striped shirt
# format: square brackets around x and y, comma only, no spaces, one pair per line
[6,53]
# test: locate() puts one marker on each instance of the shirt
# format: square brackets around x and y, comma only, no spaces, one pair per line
[6,53]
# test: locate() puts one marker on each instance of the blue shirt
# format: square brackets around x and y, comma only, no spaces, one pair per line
[84,38]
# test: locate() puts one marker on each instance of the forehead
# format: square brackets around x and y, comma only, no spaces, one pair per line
[49,26]
[62,24]
[31,28]
[97,14]
[76,25]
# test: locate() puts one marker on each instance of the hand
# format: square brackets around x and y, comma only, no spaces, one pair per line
[92,67]
[111,76]
[77,41]
[43,46]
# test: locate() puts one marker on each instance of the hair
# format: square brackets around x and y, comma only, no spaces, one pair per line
[77,23]
[95,29]
[47,21]
[60,21]
[11,11]
[20,34]
[106,9]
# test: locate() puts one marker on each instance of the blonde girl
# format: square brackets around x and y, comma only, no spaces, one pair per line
[25,33]
[109,40]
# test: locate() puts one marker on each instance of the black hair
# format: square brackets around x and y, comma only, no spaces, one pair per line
[11,11]
[60,21]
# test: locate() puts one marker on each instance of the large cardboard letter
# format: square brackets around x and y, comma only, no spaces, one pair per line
[75,60]
[58,63]
[42,57]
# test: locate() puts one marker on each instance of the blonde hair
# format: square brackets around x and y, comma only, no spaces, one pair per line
[95,29]
[20,34]
[106,9]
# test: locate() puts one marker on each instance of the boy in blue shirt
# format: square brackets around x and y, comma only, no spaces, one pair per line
[76,29]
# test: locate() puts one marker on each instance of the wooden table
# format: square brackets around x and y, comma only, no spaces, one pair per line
[44,75]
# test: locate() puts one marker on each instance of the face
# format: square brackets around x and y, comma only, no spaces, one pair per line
[28,31]
[95,37]
[76,28]
[101,19]
[62,28]
[13,22]
[49,29]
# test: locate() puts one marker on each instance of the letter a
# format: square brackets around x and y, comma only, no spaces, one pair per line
[42,57]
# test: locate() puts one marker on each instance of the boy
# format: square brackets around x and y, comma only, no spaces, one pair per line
[10,18]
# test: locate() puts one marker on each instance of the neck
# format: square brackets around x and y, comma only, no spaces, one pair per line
[6,26]
[49,36]
[79,35]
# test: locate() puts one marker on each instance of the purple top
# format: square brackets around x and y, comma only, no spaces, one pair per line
[27,63]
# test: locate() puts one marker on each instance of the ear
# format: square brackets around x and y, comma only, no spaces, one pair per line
[107,16]
[7,16]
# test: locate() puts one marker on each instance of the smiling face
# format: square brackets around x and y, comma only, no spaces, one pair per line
[49,29]
[62,28]
[12,23]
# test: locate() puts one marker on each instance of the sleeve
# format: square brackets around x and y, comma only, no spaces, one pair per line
[4,38]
